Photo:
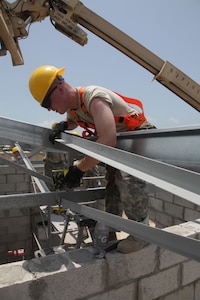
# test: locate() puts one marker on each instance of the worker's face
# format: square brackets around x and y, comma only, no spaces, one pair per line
[58,99]
[17,155]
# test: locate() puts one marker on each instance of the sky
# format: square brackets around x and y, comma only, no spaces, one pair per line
[167,28]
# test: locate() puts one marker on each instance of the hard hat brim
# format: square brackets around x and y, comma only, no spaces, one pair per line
[61,71]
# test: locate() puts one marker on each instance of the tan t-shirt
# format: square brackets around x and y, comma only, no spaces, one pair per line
[118,106]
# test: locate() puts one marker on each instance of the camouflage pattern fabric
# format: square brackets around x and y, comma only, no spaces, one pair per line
[49,166]
[126,193]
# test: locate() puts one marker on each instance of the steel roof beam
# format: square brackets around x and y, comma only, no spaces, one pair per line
[51,198]
[177,146]
[182,245]
[181,182]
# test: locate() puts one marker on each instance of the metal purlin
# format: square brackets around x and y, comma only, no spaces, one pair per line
[185,246]
[76,200]
[176,180]
[43,189]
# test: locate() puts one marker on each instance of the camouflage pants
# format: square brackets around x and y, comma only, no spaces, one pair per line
[125,193]
[49,166]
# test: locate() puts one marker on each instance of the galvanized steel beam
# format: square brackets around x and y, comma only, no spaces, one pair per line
[176,146]
[40,183]
[180,182]
[182,245]
[50,198]
[170,178]
[29,134]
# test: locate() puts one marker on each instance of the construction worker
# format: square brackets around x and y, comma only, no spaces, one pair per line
[54,161]
[16,155]
[103,113]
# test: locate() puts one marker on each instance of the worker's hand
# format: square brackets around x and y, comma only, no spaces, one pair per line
[57,128]
[67,178]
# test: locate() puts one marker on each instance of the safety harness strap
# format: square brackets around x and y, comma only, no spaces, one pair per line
[132,122]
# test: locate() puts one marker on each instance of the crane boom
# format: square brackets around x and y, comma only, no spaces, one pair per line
[65,16]
[163,71]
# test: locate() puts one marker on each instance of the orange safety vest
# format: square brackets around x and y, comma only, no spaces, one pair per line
[132,122]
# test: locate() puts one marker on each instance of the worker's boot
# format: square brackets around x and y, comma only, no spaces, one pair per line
[131,243]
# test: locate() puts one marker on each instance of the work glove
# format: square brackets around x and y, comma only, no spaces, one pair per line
[67,178]
[57,128]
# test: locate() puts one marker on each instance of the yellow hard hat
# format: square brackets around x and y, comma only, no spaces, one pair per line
[41,80]
[14,149]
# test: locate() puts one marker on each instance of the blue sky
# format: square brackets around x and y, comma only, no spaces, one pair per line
[167,28]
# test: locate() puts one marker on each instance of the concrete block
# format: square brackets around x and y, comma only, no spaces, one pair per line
[182,230]
[178,221]
[169,259]
[158,285]
[27,178]
[191,215]
[173,210]
[165,220]
[13,273]
[151,193]
[126,267]
[14,212]
[21,234]
[183,202]
[187,293]
[192,226]
[163,195]
[156,204]
[4,214]
[8,188]
[2,179]
[190,272]
[20,244]
[73,274]
[3,227]
[23,187]
[15,178]
[197,290]
[128,292]
[59,276]
[7,170]
[9,239]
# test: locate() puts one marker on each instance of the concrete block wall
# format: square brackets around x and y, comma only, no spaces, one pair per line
[152,273]
[16,224]
[13,181]
[166,209]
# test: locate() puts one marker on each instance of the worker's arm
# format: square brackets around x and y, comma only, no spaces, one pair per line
[106,133]
[105,128]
